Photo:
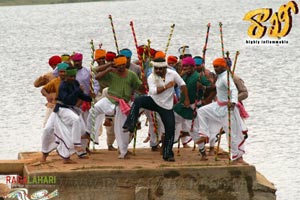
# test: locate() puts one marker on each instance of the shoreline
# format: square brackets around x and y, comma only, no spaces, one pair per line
[37,2]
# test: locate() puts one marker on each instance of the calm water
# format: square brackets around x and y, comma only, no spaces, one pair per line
[29,35]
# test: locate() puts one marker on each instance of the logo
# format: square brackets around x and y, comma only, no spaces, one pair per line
[22,194]
[279,26]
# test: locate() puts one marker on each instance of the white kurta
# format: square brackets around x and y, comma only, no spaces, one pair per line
[212,117]
[164,99]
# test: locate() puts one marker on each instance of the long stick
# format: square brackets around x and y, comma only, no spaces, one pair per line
[235,60]
[169,39]
[141,59]
[114,33]
[92,78]
[229,114]
[205,44]
[221,35]
[203,57]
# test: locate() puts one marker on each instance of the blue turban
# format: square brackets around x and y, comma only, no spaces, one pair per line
[198,60]
[126,52]
[62,66]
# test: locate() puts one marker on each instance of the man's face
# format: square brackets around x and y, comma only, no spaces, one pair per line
[199,68]
[62,74]
[188,69]
[78,64]
[70,78]
[219,69]
[121,68]
[100,61]
[160,71]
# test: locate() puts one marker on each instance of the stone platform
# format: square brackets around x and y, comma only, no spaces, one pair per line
[146,176]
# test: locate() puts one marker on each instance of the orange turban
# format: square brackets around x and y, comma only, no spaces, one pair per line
[99,53]
[172,60]
[122,60]
[159,54]
[221,62]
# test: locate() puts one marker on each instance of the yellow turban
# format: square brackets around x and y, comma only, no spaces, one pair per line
[120,61]
[99,53]
[221,62]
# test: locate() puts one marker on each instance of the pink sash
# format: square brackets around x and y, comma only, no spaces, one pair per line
[243,113]
[125,107]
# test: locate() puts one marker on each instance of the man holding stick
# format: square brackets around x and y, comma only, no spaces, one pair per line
[214,116]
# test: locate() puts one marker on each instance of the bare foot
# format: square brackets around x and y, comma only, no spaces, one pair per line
[239,161]
[147,139]
[78,148]
[186,146]
[211,151]
[203,158]
[44,157]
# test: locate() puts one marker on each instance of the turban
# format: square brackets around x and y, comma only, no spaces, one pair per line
[54,60]
[198,60]
[159,54]
[188,61]
[221,62]
[141,51]
[62,66]
[65,58]
[99,53]
[122,60]
[71,71]
[126,52]
[159,62]
[76,57]
[110,56]
[172,59]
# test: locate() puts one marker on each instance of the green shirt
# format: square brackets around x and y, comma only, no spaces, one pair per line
[191,84]
[121,87]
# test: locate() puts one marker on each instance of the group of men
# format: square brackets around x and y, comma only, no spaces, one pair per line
[181,99]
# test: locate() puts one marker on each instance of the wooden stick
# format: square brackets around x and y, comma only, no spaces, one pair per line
[114,33]
[169,39]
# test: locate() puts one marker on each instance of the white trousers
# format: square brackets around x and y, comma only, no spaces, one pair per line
[105,107]
[212,117]
[63,131]
[184,125]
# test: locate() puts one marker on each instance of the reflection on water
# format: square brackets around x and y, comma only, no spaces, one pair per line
[31,34]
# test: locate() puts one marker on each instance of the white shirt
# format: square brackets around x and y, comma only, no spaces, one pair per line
[221,86]
[165,98]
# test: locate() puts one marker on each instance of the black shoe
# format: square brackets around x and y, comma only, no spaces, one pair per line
[170,159]
[128,129]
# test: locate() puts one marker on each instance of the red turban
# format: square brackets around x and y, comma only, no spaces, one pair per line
[54,60]
[110,56]
[172,59]
[221,62]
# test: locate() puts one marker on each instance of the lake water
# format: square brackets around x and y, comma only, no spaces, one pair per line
[29,35]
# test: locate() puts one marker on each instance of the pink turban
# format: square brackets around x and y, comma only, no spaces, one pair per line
[188,61]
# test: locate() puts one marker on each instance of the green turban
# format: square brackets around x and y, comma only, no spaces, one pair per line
[71,71]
